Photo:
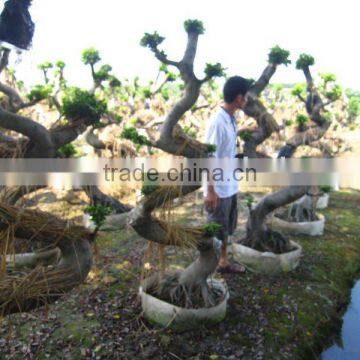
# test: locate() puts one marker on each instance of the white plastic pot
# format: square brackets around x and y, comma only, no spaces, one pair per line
[168,315]
[267,262]
[312,228]
[323,201]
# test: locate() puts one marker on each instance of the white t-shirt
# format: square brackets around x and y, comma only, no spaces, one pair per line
[222,132]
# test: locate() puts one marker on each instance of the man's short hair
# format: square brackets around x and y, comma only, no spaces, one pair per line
[234,86]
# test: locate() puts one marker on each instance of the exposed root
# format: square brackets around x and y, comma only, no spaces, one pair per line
[170,289]
[268,241]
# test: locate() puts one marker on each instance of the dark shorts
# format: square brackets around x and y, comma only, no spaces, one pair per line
[225,214]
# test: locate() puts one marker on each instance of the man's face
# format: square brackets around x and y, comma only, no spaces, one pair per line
[240,101]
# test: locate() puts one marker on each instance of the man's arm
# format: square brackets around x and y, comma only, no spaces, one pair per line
[214,137]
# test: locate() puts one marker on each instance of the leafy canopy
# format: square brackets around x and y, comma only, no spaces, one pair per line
[60,64]
[301,119]
[304,61]
[78,103]
[98,213]
[214,70]
[130,133]
[299,90]
[211,228]
[67,150]
[40,92]
[279,56]
[45,66]
[151,40]
[103,73]
[90,56]
[194,26]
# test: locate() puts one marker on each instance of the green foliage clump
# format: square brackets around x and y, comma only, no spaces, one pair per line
[245,135]
[194,26]
[354,107]
[171,77]
[211,228]
[335,93]
[60,64]
[90,56]
[148,189]
[98,214]
[304,61]
[188,130]
[103,73]
[152,41]
[114,81]
[214,70]
[165,93]
[211,148]
[279,56]
[45,66]
[67,150]
[325,189]
[118,118]
[249,200]
[288,122]
[299,90]
[78,103]
[146,92]
[301,119]
[130,133]
[328,77]
[40,92]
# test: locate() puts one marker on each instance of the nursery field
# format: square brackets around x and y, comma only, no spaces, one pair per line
[292,315]
[141,269]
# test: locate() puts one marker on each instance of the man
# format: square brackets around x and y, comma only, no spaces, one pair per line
[220,199]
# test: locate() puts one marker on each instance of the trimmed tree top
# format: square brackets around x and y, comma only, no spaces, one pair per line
[78,103]
[40,92]
[45,65]
[90,56]
[304,61]
[279,56]
[60,64]
[194,26]
[151,41]
[214,70]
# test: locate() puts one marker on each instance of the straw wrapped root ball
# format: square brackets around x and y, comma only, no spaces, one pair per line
[27,281]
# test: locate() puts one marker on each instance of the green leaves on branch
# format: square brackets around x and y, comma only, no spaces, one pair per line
[325,189]
[211,228]
[40,92]
[147,189]
[245,135]
[299,90]
[249,200]
[90,56]
[60,64]
[214,70]
[78,103]
[211,148]
[103,73]
[334,94]
[98,214]
[328,77]
[194,26]
[67,150]
[45,66]
[151,40]
[304,61]
[301,119]
[113,81]
[130,133]
[279,56]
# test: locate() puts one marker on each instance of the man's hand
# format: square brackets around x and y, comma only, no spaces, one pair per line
[212,199]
